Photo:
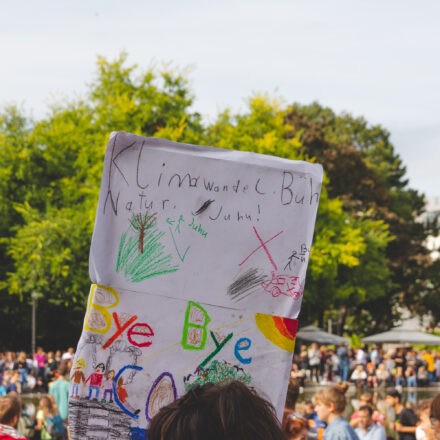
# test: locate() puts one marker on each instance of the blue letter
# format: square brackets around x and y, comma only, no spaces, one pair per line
[239,348]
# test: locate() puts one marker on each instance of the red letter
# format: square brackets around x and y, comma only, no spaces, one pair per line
[141,331]
[119,330]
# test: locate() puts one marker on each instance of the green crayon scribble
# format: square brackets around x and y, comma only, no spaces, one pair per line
[137,265]
[219,373]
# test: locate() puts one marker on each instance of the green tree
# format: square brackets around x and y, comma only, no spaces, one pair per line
[368,250]
[52,171]
[347,263]
[369,177]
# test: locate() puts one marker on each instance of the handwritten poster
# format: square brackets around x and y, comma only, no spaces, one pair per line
[222,227]
[198,263]
[139,352]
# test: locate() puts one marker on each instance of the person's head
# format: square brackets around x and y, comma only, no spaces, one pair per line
[435,416]
[10,410]
[22,357]
[331,401]
[310,409]
[47,405]
[80,364]
[423,410]
[365,416]
[366,399]
[111,374]
[393,398]
[63,370]
[100,368]
[314,346]
[294,426]
[217,412]
[40,350]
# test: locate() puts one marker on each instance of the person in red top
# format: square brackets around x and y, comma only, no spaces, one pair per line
[10,410]
[95,381]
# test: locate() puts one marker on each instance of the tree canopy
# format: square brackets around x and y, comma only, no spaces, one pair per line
[368,248]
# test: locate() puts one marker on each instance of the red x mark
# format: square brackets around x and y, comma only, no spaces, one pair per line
[262,245]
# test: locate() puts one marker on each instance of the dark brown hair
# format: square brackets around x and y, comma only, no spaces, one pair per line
[10,406]
[435,407]
[217,412]
[366,408]
[63,369]
[335,395]
[394,394]
[292,393]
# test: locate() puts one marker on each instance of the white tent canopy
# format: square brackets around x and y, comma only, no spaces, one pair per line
[315,334]
[403,335]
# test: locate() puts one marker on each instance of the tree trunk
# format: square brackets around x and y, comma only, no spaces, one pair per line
[341,320]
[141,240]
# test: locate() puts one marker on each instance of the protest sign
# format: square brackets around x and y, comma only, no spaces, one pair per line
[198,260]
[139,352]
[222,227]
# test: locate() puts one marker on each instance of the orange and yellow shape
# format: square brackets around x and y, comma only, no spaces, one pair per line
[280,331]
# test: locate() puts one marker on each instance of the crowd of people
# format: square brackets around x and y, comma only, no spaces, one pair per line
[234,411]
[366,368]
[25,373]
[330,417]
[43,373]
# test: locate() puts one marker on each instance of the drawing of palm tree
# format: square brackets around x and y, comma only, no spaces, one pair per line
[142,223]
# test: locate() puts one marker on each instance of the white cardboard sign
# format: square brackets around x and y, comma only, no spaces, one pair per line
[139,352]
[221,227]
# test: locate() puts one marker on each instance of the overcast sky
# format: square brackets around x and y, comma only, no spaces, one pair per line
[379,59]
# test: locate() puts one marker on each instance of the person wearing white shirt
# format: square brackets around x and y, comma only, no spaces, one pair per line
[69,354]
[361,357]
[368,430]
